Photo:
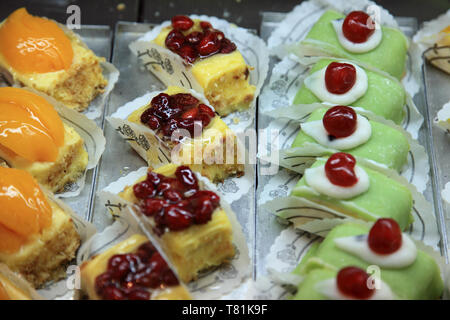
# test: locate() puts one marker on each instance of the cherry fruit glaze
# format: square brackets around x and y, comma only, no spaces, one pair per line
[179,111]
[196,44]
[129,276]
[385,236]
[357,28]
[352,282]
[340,77]
[340,121]
[340,169]
[175,203]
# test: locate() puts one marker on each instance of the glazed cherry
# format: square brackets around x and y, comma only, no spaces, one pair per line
[385,236]
[177,218]
[175,40]
[209,45]
[188,53]
[340,169]
[340,121]
[187,177]
[205,25]
[183,100]
[227,46]
[144,190]
[152,206]
[357,27]
[340,77]
[352,282]
[182,22]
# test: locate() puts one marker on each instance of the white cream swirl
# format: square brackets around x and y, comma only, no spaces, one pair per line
[317,131]
[359,246]
[317,179]
[371,43]
[329,289]
[316,83]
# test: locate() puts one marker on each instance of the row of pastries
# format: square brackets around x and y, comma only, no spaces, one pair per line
[353,135]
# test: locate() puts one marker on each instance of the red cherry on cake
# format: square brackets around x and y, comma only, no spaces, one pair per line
[385,236]
[352,282]
[175,40]
[182,22]
[209,45]
[340,77]
[340,169]
[357,28]
[340,121]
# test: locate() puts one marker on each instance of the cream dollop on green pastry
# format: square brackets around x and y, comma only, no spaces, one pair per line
[379,197]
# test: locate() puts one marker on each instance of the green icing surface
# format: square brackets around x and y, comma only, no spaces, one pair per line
[420,280]
[386,145]
[384,96]
[389,56]
[385,198]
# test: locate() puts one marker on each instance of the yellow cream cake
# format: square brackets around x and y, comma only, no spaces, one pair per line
[194,246]
[95,286]
[216,138]
[36,52]
[37,238]
[50,150]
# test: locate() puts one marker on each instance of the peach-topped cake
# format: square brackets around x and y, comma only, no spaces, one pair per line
[176,110]
[195,231]
[131,270]
[37,238]
[38,53]
[215,62]
[34,138]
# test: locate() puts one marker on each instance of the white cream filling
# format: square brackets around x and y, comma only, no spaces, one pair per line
[318,180]
[316,83]
[359,246]
[317,131]
[371,43]
[330,290]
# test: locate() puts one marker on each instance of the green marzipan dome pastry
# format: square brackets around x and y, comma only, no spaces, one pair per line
[385,198]
[386,145]
[419,281]
[384,96]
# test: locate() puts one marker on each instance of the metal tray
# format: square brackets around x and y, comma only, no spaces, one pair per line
[436,89]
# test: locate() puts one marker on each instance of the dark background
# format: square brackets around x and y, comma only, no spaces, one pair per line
[245,13]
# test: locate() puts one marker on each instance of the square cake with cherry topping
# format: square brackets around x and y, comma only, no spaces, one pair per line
[194,230]
[131,270]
